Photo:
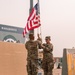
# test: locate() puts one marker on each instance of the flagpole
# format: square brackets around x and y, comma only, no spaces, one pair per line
[38,12]
[39,29]
[31,6]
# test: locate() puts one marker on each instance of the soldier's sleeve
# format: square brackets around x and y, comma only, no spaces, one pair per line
[49,48]
[43,46]
[39,44]
[26,46]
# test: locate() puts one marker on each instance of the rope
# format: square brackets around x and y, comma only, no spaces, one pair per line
[39,32]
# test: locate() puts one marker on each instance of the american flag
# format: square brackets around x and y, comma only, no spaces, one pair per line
[33,20]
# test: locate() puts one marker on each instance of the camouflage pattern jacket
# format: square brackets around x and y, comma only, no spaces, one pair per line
[32,50]
[47,52]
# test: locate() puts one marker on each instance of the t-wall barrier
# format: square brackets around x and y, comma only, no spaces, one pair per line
[12,59]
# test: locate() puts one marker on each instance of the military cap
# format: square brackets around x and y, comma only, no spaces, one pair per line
[31,34]
[47,37]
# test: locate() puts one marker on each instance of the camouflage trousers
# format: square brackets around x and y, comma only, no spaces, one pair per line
[32,68]
[47,67]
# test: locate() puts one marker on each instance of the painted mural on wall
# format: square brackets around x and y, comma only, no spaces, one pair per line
[10,38]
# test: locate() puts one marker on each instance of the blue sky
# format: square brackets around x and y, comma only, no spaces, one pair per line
[57,20]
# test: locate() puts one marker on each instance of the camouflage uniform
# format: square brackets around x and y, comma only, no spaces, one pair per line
[47,63]
[32,57]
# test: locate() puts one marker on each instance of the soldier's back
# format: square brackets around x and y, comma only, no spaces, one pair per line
[32,49]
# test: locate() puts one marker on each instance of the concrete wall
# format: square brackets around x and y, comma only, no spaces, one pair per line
[12,59]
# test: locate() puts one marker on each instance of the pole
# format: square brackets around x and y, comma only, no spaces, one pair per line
[39,29]
[31,6]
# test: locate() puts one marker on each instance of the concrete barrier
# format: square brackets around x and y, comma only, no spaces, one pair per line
[68,63]
[12,59]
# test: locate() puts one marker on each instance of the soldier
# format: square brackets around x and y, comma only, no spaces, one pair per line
[32,55]
[47,63]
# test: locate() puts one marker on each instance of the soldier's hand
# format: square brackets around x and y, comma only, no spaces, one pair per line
[39,42]
[42,46]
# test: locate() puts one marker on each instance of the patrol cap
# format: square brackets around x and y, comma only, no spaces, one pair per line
[47,37]
[31,34]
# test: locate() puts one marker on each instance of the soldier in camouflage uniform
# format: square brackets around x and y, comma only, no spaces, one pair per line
[32,55]
[47,63]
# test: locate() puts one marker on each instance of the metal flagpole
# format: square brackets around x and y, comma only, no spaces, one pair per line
[39,32]
[40,26]
[40,71]
[31,6]
[31,31]
[38,12]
